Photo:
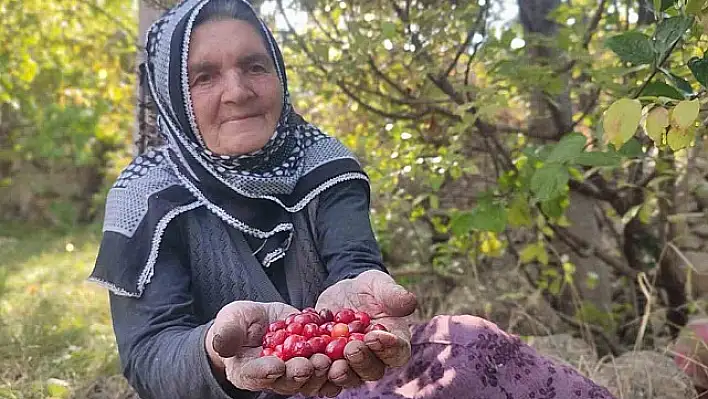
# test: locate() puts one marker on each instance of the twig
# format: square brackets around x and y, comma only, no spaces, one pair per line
[587,37]
[340,83]
[468,39]
[615,347]
[656,69]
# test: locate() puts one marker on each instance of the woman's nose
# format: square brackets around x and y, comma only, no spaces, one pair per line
[237,88]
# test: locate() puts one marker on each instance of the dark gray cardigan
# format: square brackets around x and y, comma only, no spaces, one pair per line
[205,264]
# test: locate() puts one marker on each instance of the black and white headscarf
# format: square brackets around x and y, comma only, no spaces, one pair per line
[255,193]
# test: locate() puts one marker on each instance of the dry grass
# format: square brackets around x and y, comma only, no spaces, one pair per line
[53,324]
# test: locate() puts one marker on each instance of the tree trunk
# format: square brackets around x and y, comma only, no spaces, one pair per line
[551,117]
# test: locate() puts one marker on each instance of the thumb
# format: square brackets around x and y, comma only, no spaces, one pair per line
[397,300]
[237,325]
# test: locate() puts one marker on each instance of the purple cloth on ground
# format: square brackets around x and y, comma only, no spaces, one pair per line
[466,357]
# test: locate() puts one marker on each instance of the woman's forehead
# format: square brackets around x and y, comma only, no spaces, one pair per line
[226,37]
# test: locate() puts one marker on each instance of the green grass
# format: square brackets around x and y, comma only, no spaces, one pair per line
[53,324]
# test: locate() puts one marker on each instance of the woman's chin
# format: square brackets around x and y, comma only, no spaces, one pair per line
[236,147]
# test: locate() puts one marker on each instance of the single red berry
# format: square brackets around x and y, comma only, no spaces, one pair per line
[307,318]
[267,341]
[267,352]
[335,349]
[309,310]
[363,317]
[356,336]
[294,328]
[345,316]
[290,319]
[327,339]
[326,328]
[376,327]
[318,344]
[279,353]
[310,330]
[356,327]
[276,325]
[326,315]
[302,349]
[290,341]
[340,330]
[278,338]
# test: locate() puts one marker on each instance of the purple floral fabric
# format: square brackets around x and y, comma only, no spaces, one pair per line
[466,357]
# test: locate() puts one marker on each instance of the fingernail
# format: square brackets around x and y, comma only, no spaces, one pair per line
[273,376]
[301,378]
[357,356]
[375,345]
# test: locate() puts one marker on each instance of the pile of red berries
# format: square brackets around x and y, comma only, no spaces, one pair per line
[309,332]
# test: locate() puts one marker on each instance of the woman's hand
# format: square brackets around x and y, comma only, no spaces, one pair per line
[388,303]
[234,341]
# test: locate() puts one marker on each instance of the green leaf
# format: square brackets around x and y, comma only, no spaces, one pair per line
[595,159]
[534,251]
[461,223]
[684,114]
[694,7]
[621,120]
[568,148]
[679,139]
[28,70]
[519,213]
[388,29]
[662,5]
[661,89]
[669,31]
[632,46]
[486,216]
[655,124]
[699,68]
[632,149]
[681,83]
[553,207]
[549,181]
[58,388]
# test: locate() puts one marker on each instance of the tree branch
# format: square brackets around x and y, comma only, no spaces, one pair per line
[587,37]
[470,34]
[340,83]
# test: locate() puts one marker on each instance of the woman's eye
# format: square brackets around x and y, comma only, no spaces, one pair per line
[258,68]
[201,79]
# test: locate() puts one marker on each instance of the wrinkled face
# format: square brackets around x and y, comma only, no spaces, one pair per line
[236,93]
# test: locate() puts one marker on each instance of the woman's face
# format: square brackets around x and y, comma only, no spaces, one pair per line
[236,93]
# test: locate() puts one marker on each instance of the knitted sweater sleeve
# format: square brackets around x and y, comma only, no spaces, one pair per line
[344,235]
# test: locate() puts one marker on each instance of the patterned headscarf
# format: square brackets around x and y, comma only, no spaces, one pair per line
[254,193]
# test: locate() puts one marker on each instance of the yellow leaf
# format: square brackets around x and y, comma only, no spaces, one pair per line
[621,120]
[529,253]
[684,114]
[485,247]
[656,123]
[543,255]
[679,139]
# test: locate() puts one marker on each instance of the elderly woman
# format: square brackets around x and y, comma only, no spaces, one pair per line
[248,213]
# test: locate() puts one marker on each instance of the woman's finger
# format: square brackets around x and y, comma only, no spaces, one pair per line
[238,324]
[391,349]
[397,300]
[321,364]
[363,361]
[298,371]
[257,374]
[342,375]
[330,390]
